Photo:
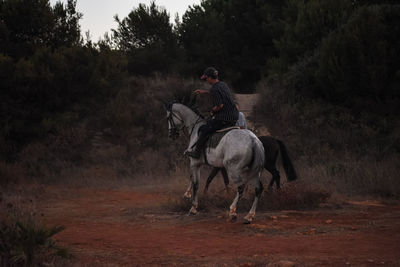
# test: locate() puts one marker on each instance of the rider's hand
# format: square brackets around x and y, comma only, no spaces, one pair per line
[200,91]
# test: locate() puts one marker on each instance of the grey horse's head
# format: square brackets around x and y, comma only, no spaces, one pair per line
[175,123]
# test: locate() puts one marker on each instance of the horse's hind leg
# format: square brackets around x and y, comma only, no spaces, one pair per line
[211,177]
[276,178]
[194,176]
[233,207]
[252,213]
[226,179]
[271,149]
[271,184]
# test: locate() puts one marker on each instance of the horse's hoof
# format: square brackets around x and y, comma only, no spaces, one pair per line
[248,219]
[187,196]
[192,211]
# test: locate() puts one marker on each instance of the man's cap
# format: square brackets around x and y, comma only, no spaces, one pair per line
[209,72]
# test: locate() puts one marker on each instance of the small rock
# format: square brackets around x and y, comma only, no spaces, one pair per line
[328,221]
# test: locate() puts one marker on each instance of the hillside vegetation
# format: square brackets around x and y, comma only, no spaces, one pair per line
[328,72]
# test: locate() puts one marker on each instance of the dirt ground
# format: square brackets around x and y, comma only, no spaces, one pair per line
[138,227]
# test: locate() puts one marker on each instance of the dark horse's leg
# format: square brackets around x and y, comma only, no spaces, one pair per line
[212,175]
[226,179]
[286,162]
[276,177]
[271,150]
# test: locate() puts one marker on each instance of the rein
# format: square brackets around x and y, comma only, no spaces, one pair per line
[171,120]
[194,124]
[176,129]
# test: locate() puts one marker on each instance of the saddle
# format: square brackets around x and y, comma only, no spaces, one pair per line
[216,137]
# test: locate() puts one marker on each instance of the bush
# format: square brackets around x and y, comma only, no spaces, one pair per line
[135,115]
[332,145]
[28,244]
[24,241]
[361,60]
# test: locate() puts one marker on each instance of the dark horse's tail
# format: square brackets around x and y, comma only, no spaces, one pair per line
[286,162]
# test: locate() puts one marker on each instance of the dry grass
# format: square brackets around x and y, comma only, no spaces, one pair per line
[24,239]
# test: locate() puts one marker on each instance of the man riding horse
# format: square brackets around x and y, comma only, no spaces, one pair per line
[239,151]
[224,112]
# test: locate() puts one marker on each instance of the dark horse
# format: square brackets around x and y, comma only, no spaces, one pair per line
[272,147]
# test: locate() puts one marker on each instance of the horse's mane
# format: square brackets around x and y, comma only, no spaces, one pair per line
[189,102]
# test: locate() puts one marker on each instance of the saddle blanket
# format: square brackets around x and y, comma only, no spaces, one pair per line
[214,139]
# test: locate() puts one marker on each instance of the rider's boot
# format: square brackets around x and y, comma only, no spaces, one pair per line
[196,152]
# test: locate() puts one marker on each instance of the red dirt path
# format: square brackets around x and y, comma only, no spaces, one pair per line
[128,228]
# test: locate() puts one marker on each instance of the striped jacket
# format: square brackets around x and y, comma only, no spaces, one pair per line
[220,94]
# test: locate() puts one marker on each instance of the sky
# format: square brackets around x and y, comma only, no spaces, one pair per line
[98,15]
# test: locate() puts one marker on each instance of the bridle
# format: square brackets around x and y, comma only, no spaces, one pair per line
[174,130]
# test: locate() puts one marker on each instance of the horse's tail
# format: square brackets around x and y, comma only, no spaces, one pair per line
[257,162]
[286,162]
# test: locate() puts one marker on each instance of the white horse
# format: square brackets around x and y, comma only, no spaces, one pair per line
[239,152]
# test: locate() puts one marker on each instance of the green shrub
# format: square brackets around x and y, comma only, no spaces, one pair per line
[29,244]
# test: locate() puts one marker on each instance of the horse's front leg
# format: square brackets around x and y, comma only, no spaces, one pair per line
[188,193]
[194,176]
